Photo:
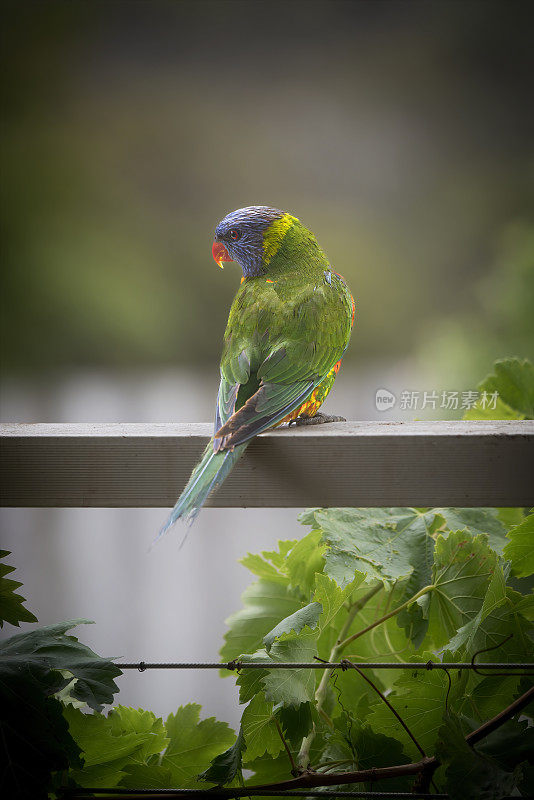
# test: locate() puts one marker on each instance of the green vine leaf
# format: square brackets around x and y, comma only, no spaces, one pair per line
[250,680]
[495,597]
[268,770]
[50,647]
[420,527]
[476,520]
[513,379]
[11,604]
[307,517]
[332,597]
[512,742]
[463,568]
[366,541]
[259,729]
[487,697]
[505,627]
[467,772]
[520,549]
[305,560]
[357,746]
[270,565]
[35,740]
[145,776]
[226,766]
[419,698]
[304,617]
[386,642]
[126,737]
[295,722]
[265,603]
[290,687]
[193,745]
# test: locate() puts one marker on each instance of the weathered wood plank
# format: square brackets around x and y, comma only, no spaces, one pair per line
[342,464]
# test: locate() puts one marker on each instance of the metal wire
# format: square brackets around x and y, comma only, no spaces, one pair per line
[118,792]
[142,666]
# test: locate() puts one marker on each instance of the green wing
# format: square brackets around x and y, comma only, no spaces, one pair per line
[282,339]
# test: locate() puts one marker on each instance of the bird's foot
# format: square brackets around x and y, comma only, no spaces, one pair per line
[318,419]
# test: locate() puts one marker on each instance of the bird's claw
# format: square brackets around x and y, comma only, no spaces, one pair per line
[318,419]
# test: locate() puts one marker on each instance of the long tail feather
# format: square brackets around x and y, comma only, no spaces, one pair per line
[206,477]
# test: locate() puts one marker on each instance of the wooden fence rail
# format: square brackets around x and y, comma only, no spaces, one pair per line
[341,464]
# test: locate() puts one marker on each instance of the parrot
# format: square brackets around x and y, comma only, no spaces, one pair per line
[288,328]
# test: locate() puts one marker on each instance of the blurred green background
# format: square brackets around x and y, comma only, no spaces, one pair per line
[401,133]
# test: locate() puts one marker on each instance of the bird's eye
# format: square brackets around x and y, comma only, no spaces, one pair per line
[234,234]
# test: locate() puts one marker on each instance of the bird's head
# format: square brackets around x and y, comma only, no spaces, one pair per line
[251,236]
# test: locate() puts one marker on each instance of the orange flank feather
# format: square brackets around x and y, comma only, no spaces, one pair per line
[312,404]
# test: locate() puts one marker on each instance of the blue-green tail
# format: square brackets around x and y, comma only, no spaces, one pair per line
[209,473]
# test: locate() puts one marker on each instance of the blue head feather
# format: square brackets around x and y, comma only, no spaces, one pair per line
[250,223]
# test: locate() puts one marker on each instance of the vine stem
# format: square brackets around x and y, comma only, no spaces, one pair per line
[386,701]
[288,751]
[393,613]
[320,694]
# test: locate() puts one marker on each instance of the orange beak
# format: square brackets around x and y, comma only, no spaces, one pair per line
[220,253]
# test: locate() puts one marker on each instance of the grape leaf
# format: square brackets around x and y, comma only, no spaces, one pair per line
[224,767]
[50,647]
[514,382]
[278,557]
[250,680]
[290,687]
[295,722]
[145,776]
[124,720]
[304,560]
[268,565]
[127,736]
[365,540]
[490,695]
[525,605]
[332,597]
[307,517]
[265,603]
[259,729]
[386,642]
[304,617]
[477,520]
[11,603]
[510,517]
[354,697]
[193,744]
[467,772]
[268,770]
[510,744]
[495,597]
[419,526]
[360,747]
[505,627]
[35,738]
[419,698]
[520,548]
[463,568]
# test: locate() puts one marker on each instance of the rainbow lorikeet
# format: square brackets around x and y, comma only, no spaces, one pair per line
[288,328]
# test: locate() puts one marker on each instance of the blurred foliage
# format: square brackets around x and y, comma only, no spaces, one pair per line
[513,384]
[501,319]
[399,132]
